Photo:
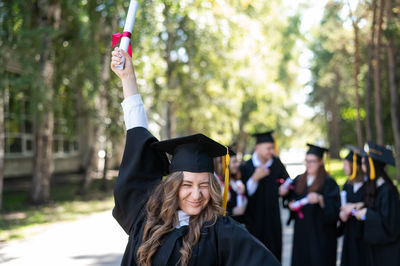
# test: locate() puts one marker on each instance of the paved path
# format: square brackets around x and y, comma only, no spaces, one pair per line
[93,240]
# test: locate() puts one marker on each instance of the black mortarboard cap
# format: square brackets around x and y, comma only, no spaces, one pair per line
[354,149]
[379,153]
[316,150]
[192,153]
[264,137]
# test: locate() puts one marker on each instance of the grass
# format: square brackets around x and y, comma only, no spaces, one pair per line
[19,219]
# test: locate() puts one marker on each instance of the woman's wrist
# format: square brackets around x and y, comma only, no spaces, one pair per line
[129,86]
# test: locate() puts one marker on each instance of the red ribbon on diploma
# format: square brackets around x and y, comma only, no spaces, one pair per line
[298,211]
[117,36]
[282,181]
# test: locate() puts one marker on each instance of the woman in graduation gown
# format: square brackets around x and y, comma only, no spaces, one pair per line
[354,251]
[176,220]
[237,201]
[314,239]
[381,214]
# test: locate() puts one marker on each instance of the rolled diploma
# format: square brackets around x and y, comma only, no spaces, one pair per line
[129,22]
[287,183]
[300,203]
[343,197]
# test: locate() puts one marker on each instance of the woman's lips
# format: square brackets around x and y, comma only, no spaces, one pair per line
[194,204]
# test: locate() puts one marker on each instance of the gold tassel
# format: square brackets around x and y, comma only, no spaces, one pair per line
[225,166]
[353,175]
[371,168]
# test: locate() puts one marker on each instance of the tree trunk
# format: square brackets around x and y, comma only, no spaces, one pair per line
[49,16]
[104,186]
[370,80]
[394,95]
[333,125]
[360,138]
[86,179]
[2,146]
[380,138]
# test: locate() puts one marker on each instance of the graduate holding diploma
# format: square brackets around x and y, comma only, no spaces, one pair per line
[178,219]
[354,251]
[381,214]
[314,239]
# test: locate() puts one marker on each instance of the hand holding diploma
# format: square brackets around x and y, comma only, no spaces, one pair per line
[126,35]
[361,214]
[350,209]
[127,74]
[286,185]
[314,198]
[297,205]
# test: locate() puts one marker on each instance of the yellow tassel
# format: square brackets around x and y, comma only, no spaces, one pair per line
[371,168]
[225,165]
[353,175]
[276,144]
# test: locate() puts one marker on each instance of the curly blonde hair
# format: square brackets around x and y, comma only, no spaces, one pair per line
[162,217]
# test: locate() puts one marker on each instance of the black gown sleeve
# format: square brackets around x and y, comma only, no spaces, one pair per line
[382,224]
[141,170]
[237,247]
[331,201]
[282,173]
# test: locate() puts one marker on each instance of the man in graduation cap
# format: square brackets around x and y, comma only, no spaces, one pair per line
[178,219]
[262,174]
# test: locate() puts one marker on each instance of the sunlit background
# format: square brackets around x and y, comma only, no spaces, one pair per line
[224,68]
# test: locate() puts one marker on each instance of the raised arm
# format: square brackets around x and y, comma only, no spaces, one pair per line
[141,167]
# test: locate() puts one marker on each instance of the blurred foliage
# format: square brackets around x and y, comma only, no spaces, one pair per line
[332,45]
[212,60]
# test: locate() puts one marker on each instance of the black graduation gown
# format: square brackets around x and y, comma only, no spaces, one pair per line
[262,217]
[231,204]
[382,228]
[224,242]
[314,238]
[354,251]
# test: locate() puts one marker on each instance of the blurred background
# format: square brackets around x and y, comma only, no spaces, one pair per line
[319,71]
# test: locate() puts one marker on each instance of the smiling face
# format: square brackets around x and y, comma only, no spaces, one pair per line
[194,192]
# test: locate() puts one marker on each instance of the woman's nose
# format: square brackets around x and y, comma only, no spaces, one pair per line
[196,193]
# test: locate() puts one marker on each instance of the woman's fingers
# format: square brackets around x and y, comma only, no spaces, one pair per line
[116,59]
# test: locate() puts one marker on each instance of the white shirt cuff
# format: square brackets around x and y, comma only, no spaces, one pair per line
[251,186]
[134,113]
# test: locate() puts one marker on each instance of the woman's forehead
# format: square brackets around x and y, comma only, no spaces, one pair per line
[196,177]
